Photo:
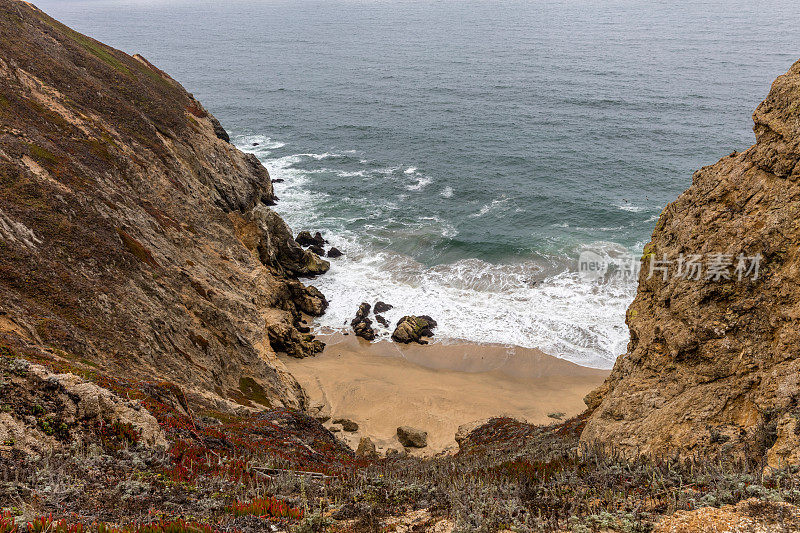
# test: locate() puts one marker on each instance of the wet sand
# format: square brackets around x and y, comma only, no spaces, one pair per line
[437,387]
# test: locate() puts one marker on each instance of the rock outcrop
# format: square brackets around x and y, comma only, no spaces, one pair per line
[752,516]
[43,410]
[713,362]
[133,235]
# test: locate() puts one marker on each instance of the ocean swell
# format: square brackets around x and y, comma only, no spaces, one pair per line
[538,301]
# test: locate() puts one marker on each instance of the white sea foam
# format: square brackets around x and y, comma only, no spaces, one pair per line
[410,170]
[476,301]
[630,207]
[529,303]
[422,182]
[494,204]
[447,192]
[261,142]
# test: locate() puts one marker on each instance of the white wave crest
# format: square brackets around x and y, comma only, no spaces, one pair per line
[526,304]
[422,182]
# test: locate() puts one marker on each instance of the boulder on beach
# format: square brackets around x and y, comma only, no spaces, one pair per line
[382,307]
[365,330]
[362,325]
[366,448]
[413,328]
[334,252]
[347,424]
[412,437]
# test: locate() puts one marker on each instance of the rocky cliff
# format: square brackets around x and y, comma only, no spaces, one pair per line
[134,238]
[713,362]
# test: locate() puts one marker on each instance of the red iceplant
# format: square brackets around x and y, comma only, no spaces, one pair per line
[266,508]
[46,524]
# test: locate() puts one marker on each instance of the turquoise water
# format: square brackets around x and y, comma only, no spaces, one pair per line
[462,154]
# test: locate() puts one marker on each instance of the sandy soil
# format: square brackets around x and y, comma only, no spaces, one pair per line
[437,387]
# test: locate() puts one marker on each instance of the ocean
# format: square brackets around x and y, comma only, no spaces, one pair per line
[462,154]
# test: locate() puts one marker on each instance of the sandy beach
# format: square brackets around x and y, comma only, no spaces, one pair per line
[437,387]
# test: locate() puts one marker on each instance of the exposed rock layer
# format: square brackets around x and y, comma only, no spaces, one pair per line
[712,365]
[133,235]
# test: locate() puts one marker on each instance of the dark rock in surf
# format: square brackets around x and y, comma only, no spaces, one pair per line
[318,240]
[334,252]
[362,325]
[382,321]
[382,307]
[317,250]
[412,328]
[305,239]
[363,311]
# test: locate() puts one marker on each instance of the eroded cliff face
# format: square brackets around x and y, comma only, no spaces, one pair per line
[713,365]
[133,236]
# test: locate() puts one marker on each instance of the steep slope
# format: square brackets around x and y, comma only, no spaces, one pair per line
[713,364]
[134,238]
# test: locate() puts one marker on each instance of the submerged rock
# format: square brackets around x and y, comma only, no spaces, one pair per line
[412,328]
[412,437]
